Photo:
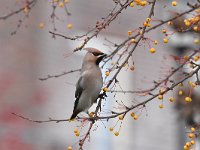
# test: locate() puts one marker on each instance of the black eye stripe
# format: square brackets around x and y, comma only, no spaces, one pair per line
[97,54]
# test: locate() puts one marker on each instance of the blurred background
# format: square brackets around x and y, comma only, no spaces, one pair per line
[32,53]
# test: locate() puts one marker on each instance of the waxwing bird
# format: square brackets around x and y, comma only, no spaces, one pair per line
[90,82]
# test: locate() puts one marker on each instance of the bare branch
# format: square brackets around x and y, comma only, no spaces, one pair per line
[29,4]
[59,75]
[41,121]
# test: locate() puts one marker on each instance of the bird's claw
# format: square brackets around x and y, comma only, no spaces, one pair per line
[102,95]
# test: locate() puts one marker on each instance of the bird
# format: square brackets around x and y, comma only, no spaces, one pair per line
[90,83]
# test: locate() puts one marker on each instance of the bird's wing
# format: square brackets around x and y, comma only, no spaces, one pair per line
[79,90]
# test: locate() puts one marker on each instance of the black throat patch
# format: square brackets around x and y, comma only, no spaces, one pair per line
[99,59]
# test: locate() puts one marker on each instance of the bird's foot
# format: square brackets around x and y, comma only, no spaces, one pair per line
[102,95]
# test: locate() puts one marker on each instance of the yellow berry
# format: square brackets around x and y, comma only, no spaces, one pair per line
[135,117]
[196,58]
[187,23]
[61,4]
[148,25]
[188,99]
[171,99]
[116,133]
[129,33]
[131,4]
[152,50]
[195,28]
[193,129]
[132,114]
[107,73]
[164,30]
[169,23]
[180,92]
[91,114]
[191,135]
[174,3]
[155,42]
[165,40]
[69,148]
[69,26]
[160,97]
[111,129]
[161,106]
[121,117]
[56,0]
[180,84]
[75,130]
[196,41]
[105,89]
[77,134]
[148,19]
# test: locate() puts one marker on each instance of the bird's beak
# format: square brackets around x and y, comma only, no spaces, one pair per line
[104,55]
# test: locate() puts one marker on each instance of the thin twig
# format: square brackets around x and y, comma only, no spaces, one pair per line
[59,75]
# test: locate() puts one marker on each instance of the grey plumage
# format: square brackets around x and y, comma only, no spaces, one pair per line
[90,82]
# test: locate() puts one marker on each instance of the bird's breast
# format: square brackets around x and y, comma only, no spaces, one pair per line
[93,82]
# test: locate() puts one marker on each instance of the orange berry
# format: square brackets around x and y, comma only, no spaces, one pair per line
[129,33]
[135,117]
[191,135]
[152,50]
[69,148]
[107,73]
[111,129]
